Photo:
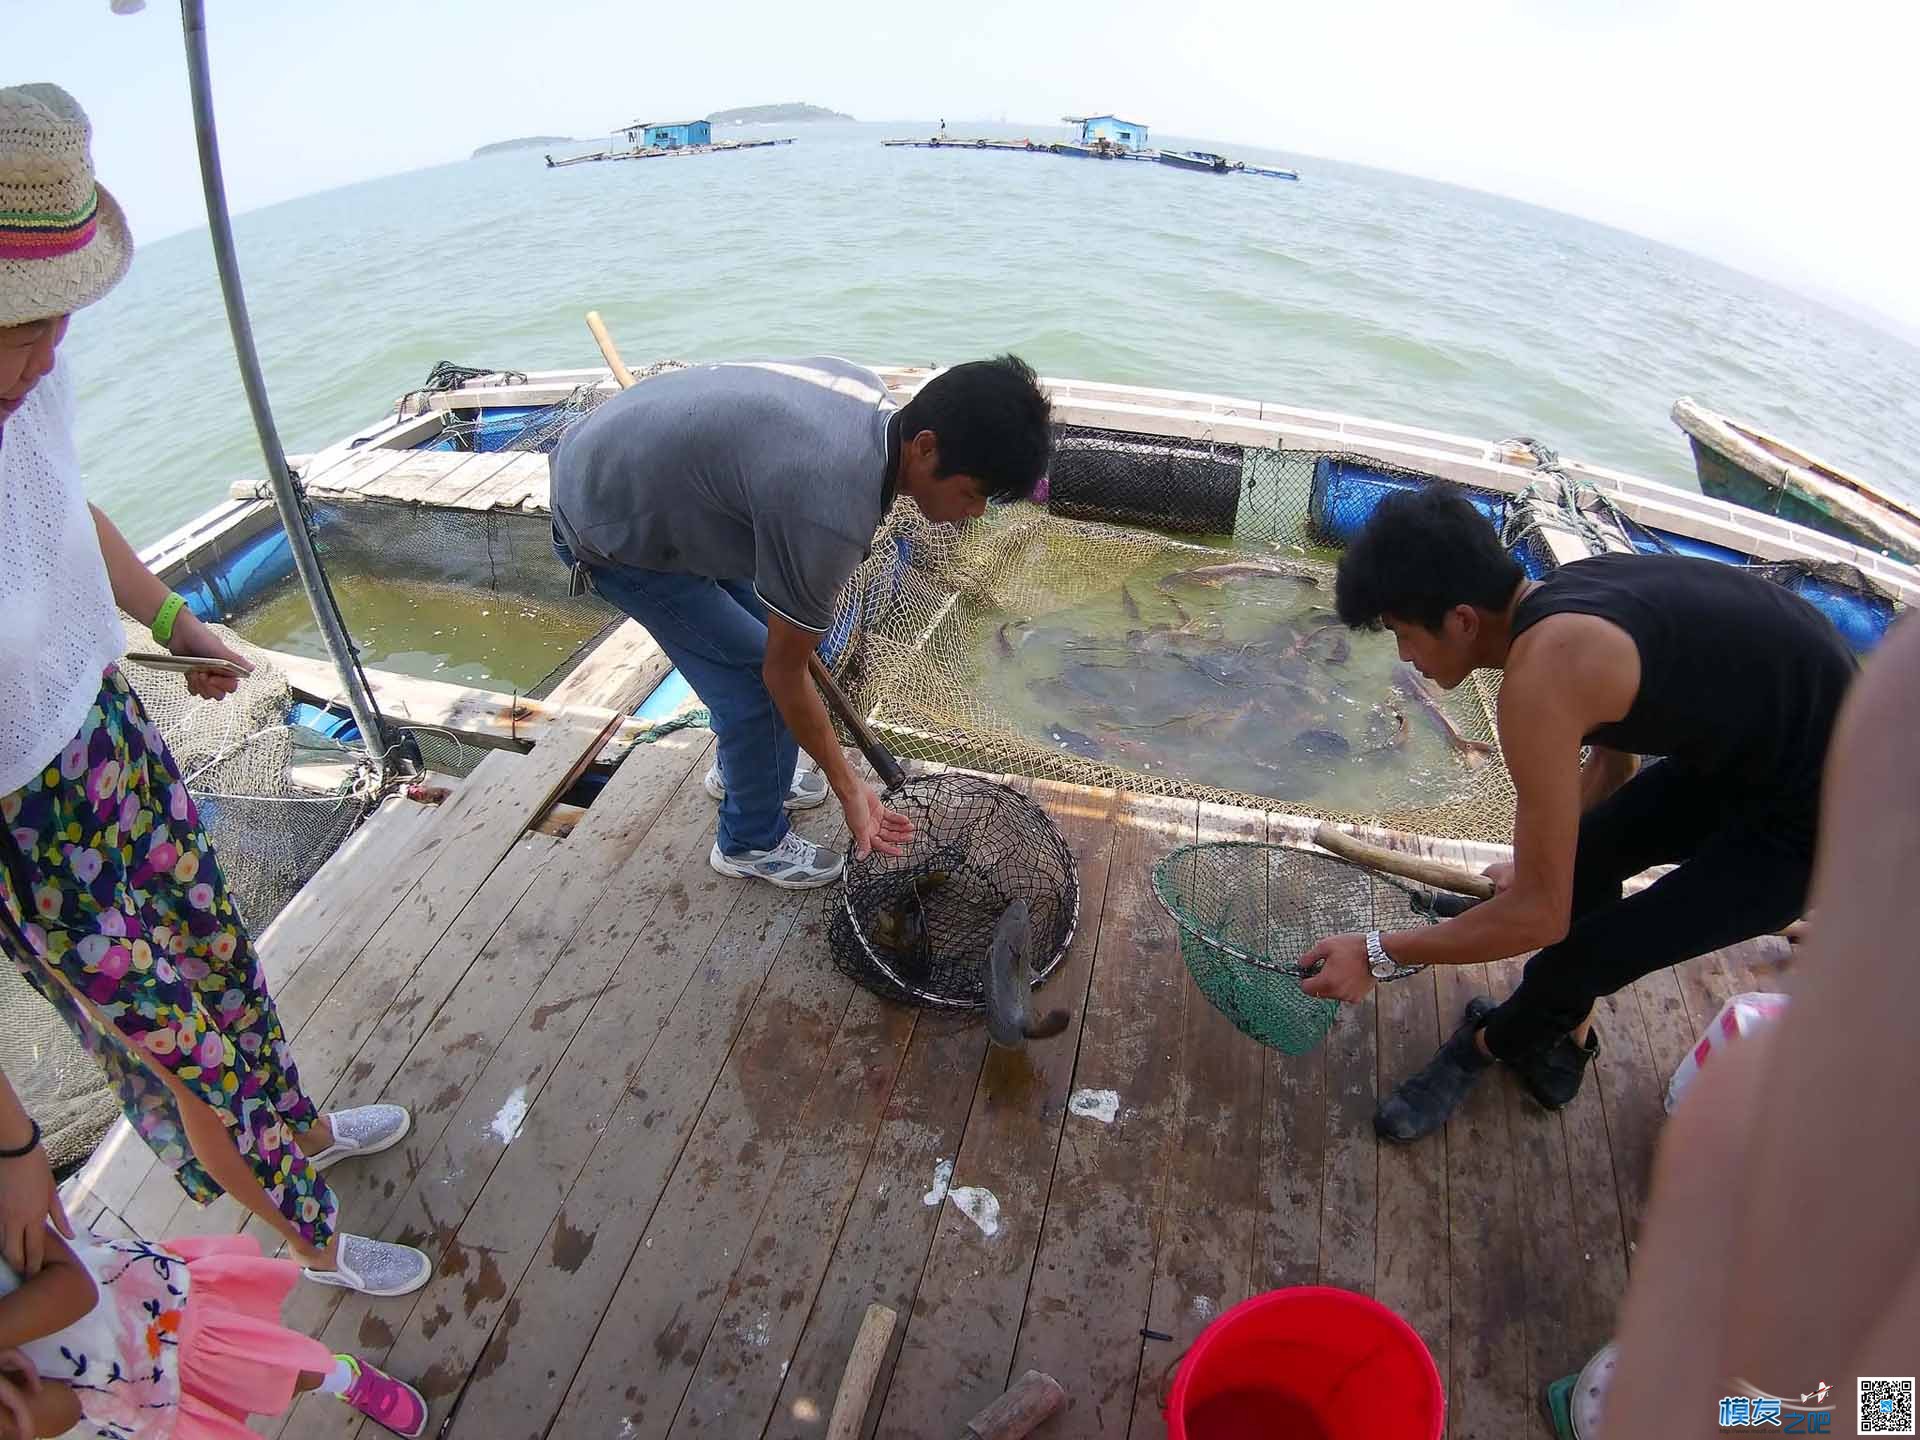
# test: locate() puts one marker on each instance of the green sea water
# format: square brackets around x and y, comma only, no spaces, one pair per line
[1353,290]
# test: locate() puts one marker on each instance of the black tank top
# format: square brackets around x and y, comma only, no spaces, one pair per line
[1739,678]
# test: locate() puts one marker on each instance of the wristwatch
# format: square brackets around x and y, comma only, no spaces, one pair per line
[1379,963]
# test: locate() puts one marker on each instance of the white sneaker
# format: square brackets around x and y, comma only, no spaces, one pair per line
[374,1267]
[364,1130]
[793,864]
[809,787]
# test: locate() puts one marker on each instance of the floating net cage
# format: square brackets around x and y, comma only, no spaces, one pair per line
[914,637]
[916,927]
[1248,911]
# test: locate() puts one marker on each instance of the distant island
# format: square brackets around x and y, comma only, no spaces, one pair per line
[525,142]
[774,114]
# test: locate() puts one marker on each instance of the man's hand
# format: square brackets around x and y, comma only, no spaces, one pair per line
[193,637]
[28,1200]
[1501,874]
[872,825]
[1342,969]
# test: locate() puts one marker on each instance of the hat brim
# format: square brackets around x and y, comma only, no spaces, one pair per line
[41,289]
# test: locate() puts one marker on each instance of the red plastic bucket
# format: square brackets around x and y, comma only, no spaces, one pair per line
[1308,1363]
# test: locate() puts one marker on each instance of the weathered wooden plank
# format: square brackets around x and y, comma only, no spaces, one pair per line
[1632,1093]
[618,675]
[451,492]
[352,474]
[1350,1193]
[1203,1263]
[473,831]
[413,478]
[1486,1366]
[957,1352]
[494,1050]
[1670,1032]
[572,1193]
[1598,1238]
[1412,1275]
[1552,1270]
[404,969]
[738,1378]
[882,1249]
[701,1233]
[1094,1273]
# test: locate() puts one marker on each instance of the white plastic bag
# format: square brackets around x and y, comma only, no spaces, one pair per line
[1743,1015]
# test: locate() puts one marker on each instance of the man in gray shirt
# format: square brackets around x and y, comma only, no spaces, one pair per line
[724,508]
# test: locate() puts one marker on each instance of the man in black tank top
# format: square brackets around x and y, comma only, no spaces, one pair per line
[1732,682]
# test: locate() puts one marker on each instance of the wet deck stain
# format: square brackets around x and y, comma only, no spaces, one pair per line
[545,1013]
[571,1246]
[375,1333]
[489,1284]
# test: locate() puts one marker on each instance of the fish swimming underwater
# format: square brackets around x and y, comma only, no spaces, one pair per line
[1010,1019]
[1473,753]
[1213,577]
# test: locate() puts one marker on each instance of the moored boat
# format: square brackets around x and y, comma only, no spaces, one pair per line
[1197,160]
[1747,466]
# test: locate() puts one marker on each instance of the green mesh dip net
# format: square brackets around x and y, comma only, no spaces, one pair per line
[1248,911]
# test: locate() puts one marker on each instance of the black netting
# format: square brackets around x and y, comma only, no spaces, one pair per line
[1180,486]
[916,927]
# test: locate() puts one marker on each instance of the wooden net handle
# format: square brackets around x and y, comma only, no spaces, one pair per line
[1436,873]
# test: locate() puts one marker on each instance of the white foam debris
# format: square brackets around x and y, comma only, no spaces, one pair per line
[942,1178]
[510,1117]
[1101,1105]
[1204,1308]
[979,1205]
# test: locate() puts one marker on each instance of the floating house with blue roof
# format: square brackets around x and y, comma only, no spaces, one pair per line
[668,134]
[1128,134]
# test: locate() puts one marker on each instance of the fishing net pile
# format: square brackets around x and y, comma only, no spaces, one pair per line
[276,800]
[1199,658]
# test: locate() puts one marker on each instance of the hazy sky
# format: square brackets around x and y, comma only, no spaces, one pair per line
[1773,136]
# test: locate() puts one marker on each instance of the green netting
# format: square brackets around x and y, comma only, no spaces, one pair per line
[1247,912]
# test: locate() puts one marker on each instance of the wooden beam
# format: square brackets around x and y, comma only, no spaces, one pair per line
[488,719]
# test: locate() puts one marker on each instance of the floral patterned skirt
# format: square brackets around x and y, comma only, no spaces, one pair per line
[115,886]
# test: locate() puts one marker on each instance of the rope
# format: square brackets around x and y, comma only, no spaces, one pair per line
[446,375]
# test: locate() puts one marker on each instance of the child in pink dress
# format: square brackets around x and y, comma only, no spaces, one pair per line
[181,1340]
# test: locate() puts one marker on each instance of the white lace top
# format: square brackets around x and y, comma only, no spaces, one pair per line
[59,627]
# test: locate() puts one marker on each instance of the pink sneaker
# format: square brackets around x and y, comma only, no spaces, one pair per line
[385,1400]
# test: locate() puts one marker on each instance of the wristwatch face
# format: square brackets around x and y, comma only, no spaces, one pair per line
[1379,963]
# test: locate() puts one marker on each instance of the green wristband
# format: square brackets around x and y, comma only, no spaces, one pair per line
[170,609]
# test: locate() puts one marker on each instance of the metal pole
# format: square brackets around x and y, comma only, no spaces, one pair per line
[366,715]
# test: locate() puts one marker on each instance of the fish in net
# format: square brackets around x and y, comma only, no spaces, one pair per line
[978,908]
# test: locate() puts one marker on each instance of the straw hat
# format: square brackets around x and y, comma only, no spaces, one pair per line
[63,239]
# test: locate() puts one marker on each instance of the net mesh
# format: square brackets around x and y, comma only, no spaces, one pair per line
[919,618]
[276,801]
[1247,911]
[916,927]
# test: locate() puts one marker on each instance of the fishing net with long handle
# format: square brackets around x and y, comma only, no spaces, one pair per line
[916,927]
[1248,911]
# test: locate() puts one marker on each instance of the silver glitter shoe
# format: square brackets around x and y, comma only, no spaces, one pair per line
[374,1267]
[364,1130]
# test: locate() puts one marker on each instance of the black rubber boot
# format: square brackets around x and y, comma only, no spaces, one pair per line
[1553,1076]
[1424,1100]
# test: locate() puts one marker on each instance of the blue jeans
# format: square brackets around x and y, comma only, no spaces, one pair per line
[715,631]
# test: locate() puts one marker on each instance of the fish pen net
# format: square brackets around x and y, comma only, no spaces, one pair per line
[1196,658]
[275,799]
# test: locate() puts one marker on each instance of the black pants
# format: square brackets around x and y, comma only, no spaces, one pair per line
[1741,874]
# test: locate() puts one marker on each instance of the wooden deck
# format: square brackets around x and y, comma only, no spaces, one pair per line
[666,1155]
